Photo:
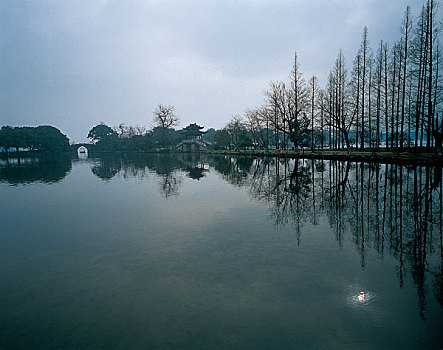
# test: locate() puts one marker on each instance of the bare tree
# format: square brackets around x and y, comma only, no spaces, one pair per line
[272,100]
[256,120]
[378,83]
[122,130]
[370,97]
[276,98]
[289,108]
[165,117]
[236,128]
[386,90]
[356,74]
[313,90]
[406,29]
[298,103]
[364,52]
[394,64]
[322,107]
[340,112]
[417,60]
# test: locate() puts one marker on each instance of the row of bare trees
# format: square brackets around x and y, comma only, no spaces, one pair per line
[388,98]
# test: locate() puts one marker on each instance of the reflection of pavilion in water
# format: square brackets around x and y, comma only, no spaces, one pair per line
[194,165]
[197,172]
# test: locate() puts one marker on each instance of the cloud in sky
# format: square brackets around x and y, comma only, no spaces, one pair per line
[73,64]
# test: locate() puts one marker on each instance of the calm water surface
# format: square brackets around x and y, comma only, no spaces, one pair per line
[196,252]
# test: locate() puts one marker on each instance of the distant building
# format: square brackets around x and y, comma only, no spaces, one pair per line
[193,141]
[193,132]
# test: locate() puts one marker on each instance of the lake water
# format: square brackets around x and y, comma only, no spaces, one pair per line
[199,252]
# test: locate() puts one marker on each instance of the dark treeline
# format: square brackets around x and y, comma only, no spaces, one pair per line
[139,138]
[40,138]
[133,139]
[390,97]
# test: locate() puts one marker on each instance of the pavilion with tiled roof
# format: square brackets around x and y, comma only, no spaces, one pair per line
[193,132]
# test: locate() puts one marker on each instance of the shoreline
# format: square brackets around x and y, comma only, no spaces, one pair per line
[433,157]
[428,158]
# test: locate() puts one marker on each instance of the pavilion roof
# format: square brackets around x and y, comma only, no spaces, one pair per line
[193,129]
[193,126]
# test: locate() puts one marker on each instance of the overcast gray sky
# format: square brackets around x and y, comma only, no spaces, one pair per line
[73,64]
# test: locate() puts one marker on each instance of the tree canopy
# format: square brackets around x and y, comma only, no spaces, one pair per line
[43,138]
[101,132]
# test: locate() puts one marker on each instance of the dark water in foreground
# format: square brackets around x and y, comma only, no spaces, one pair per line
[181,252]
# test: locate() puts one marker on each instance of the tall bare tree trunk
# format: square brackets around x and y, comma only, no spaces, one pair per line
[385,54]
[364,49]
[397,114]
[430,110]
[394,70]
[405,56]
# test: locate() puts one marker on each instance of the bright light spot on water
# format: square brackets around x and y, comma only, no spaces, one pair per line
[358,296]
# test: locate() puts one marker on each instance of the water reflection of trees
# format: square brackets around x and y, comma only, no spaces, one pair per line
[235,170]
[46,169]
[168,168]
[282,184]
[106,168]
[399,209]
[392,208]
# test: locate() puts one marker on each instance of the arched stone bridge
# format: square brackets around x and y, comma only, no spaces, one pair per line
[192,146]
[89,146]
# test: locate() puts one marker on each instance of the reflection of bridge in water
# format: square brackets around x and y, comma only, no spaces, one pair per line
[89,147]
